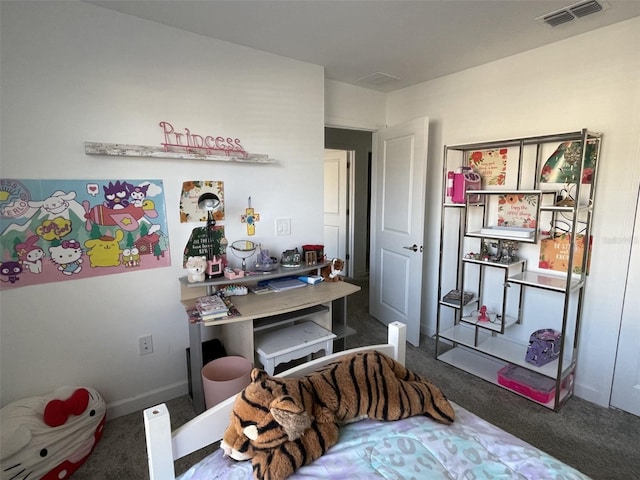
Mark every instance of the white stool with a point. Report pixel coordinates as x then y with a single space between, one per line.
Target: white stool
282 345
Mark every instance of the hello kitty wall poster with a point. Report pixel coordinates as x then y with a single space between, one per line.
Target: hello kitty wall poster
57 230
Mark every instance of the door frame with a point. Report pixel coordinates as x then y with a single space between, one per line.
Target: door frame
350 201
360 142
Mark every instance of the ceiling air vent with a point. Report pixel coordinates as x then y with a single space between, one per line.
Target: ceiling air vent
585 8
572 12
555 19
379 78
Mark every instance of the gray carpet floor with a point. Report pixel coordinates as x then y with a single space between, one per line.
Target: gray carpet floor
602 443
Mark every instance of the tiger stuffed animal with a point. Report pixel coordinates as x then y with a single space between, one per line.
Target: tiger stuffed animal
285 423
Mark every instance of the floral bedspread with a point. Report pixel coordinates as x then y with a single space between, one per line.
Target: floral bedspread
414 448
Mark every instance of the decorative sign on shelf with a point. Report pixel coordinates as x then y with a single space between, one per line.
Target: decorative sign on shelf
554 253
517 210
490 164
185 145
563 165
190 142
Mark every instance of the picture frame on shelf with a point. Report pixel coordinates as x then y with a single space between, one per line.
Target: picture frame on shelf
490 164
311 258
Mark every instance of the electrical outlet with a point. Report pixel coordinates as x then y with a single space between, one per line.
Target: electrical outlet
145 344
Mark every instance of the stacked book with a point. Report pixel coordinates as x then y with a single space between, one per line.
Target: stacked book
453 297
212 307
284 284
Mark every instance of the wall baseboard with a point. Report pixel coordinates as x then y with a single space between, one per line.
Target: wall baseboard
146 400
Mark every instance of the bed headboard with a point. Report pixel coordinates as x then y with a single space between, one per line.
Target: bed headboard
164 447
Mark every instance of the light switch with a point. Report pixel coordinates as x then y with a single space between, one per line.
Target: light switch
283 226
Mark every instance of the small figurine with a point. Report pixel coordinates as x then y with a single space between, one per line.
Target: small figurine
482 315
484 251
510 246
196 267
498 256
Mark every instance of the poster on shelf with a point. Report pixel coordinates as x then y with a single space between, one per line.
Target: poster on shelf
563 164
191 191
58 230
518 210
554 253
490 164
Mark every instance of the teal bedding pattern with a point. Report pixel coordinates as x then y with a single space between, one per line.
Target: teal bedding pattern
414 448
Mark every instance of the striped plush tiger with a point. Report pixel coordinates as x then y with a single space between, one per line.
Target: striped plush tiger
285 423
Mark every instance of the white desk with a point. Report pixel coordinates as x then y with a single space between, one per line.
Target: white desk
324 303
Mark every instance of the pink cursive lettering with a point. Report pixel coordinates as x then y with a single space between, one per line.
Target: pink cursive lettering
191 142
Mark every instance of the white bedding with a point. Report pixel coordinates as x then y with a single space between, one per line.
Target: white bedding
414 448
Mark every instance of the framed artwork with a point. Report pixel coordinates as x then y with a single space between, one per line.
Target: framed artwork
59 230
518 210
311 258
554 253
490 164
191 191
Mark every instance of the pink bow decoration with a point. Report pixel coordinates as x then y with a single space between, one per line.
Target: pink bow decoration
70 244
57 411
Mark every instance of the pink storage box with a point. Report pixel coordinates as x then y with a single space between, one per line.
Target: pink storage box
533 385
232 273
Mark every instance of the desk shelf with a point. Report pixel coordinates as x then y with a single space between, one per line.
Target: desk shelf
254 277
287 318
324 303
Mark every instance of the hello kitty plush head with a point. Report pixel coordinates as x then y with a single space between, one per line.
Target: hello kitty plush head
50 437
196 267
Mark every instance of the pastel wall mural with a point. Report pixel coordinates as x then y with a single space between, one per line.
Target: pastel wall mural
58 230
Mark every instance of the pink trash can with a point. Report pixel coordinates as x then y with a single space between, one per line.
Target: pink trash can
224 377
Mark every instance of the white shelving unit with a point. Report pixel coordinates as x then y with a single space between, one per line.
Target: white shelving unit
490 247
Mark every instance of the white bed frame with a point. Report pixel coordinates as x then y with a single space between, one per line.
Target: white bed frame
164 447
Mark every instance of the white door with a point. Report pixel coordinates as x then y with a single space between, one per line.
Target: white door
335 205
397 224
625 393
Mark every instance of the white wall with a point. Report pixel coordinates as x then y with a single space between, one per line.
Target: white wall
73 72
354 107
587 81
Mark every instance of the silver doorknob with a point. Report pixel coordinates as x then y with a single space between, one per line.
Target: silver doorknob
414 247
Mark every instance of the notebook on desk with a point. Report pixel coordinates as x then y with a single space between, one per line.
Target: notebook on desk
285 284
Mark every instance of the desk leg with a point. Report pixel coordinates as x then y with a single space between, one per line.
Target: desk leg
195 344
339 317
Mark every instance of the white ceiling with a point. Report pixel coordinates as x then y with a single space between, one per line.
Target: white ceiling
414 40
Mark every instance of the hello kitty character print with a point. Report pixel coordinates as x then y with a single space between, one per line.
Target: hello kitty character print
67 256
51 436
